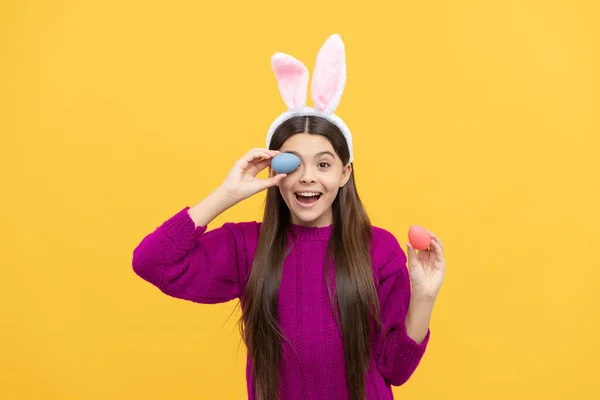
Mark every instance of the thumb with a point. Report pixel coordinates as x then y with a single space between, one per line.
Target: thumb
273 181
411 255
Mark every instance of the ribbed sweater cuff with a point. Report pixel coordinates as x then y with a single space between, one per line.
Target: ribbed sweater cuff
408 349
182 230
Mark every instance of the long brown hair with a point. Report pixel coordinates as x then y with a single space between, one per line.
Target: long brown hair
355 300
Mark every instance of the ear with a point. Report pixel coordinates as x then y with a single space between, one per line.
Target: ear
292 78
329 76
347 171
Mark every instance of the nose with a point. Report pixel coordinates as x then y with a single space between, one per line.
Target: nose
307 176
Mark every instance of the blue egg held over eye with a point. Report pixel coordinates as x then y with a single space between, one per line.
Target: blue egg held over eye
284 163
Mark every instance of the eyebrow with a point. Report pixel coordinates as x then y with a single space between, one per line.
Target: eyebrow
319 154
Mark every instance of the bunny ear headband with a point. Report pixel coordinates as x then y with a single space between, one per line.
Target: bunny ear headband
329 79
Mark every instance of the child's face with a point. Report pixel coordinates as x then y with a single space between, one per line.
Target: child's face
310 190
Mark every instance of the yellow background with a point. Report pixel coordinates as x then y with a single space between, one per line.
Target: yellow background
477 119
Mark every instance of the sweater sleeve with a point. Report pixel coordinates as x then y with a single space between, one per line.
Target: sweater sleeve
187 262
398 354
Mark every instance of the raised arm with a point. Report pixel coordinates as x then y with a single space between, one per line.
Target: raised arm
185 260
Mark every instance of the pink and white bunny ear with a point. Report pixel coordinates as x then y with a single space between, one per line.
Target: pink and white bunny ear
292 78
329 76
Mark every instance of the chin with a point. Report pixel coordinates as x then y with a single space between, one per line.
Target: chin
303 221
309 218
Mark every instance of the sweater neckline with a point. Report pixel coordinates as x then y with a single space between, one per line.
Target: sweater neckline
311 232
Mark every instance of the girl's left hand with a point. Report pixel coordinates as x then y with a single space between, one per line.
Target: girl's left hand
427 268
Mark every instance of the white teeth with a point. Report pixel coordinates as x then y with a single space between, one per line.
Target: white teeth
308 194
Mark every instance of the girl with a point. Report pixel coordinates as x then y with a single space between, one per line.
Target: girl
329 308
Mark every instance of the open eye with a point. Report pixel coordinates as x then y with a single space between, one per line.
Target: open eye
323 164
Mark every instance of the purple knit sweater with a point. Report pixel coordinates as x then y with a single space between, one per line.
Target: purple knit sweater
209 267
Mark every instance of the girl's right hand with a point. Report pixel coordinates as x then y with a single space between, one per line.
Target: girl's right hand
242 182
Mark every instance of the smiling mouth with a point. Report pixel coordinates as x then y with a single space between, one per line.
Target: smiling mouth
307 198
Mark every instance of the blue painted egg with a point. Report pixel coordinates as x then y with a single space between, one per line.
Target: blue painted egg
284 163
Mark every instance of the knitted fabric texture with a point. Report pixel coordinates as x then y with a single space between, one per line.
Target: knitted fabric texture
212 266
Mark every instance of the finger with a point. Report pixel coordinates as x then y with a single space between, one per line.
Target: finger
272 181
436 239
253 156
268 153
411 255
437 251
261 150
258 155
262 164
255 153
